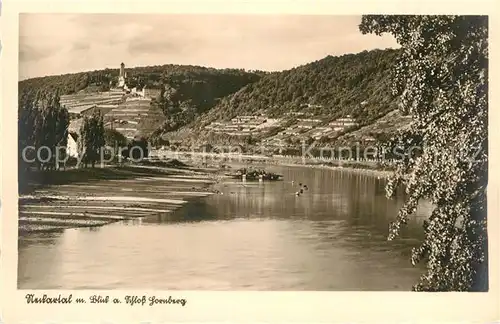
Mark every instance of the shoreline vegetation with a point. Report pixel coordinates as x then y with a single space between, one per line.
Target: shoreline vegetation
375 168
51 201
349 166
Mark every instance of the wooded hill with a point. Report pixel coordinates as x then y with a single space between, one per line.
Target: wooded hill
192 97
186 91
339 84
226 80
353 84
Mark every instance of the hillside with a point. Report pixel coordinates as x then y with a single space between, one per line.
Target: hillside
185 97
174 92
326 100
380 129
307 97
150 76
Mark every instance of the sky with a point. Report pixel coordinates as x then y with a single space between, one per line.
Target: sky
52 44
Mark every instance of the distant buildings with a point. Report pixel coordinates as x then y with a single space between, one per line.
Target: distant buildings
310 120
301 126
310 128
296 113
244 125
309 105
306 124
320 132
123 88
342 124
294 131
123 109
369 139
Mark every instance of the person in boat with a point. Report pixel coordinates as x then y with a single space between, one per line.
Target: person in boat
301 190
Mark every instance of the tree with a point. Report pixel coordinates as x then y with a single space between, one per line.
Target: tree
441 78
26 125
42 123
91 139
156 138
61 127
115 142
114 138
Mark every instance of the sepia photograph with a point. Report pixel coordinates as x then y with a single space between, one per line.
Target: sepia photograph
252 152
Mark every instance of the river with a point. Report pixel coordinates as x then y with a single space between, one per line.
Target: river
254 236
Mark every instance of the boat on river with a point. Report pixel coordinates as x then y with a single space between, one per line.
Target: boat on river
255 174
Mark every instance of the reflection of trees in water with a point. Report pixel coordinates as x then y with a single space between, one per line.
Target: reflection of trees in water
42 238
356 198
249 200
41 249
196 210
331 195
370 208
278 199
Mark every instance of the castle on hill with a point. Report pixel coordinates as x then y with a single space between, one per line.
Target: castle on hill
122 77
122 84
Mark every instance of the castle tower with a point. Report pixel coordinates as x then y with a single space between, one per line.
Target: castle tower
121 78
122 69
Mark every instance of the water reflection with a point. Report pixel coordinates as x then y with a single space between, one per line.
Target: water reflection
358 199
39 257
195 211
257 236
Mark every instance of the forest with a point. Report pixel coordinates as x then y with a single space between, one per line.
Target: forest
186 96
186 91
355 84
335 86
224 80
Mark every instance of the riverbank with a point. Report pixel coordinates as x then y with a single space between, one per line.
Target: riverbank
338 166
57 200
216 161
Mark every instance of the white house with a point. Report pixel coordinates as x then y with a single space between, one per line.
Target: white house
72 145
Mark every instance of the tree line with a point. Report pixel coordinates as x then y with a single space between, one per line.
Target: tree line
154 77
335 86
42 122
186 91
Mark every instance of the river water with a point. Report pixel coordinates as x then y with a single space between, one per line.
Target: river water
255 236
